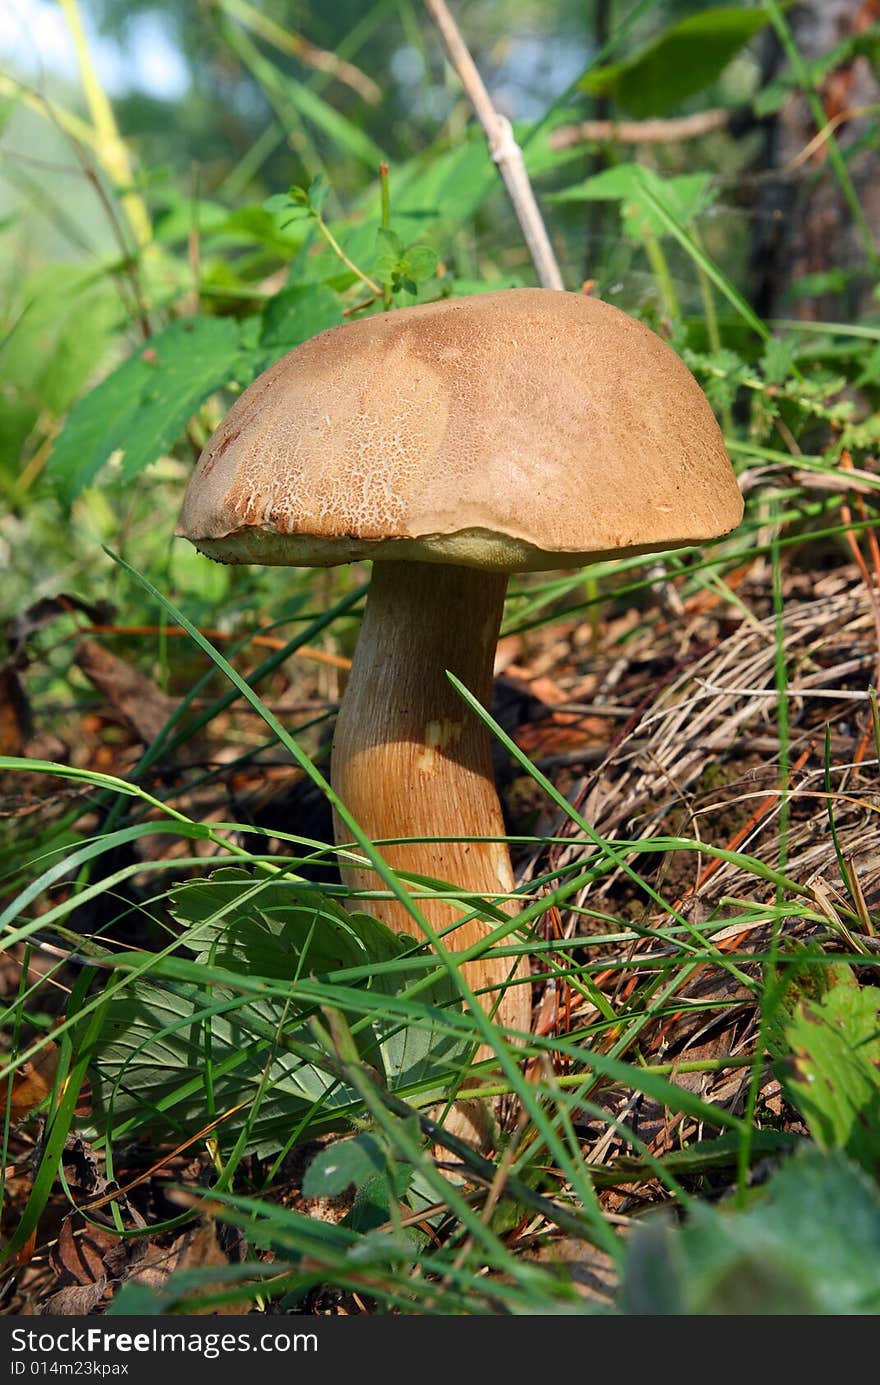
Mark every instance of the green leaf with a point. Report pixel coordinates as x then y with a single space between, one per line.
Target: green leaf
142 408
17 419
683 60
420 263
255 226
683 197
180 216
834 1077
809 1243
816 285
344 1164
278 928
170 1052
778 359
388 253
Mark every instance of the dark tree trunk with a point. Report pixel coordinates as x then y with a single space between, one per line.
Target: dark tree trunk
803 225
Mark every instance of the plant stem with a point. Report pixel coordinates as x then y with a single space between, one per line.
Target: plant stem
349 264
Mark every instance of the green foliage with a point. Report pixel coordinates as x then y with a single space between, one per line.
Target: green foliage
168 1053
808 1243
271 1011
403 267
683 60
684 197
831 1067
141 409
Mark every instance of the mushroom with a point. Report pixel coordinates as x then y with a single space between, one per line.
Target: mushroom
452 444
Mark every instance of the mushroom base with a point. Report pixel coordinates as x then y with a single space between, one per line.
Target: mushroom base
410 759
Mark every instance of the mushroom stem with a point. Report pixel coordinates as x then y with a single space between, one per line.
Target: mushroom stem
410 759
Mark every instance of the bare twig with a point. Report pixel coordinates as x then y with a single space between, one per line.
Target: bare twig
503 147
639 131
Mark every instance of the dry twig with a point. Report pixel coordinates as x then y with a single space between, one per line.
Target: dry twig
503 147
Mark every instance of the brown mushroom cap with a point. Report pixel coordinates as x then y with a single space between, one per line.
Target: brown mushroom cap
524 429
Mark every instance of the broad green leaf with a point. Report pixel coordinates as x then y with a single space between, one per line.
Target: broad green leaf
808 1243
170 1052
280 927
170 1055
142 408
684 197
683 60
257 226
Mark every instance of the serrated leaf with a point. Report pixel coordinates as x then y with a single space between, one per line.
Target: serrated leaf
834 1077
143 406
685 59
809 1243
